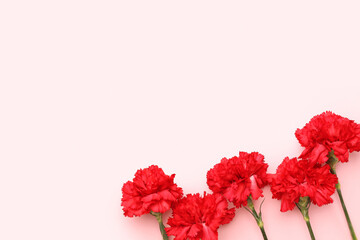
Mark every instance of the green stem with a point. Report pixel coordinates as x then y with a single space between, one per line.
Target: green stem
158 217
332 162
162 230
307 220
263 233
257 217
303 205
353 235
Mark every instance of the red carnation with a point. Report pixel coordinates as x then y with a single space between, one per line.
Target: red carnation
195 217
295 179
238 177
326 132
150 190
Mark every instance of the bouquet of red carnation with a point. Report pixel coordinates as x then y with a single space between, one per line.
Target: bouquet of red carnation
310 179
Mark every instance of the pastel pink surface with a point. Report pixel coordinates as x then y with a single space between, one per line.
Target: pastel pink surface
91 91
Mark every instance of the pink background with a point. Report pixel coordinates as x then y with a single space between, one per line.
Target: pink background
91 91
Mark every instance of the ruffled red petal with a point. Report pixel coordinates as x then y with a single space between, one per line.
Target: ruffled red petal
238 177
295 179
326 132
150 190
195 217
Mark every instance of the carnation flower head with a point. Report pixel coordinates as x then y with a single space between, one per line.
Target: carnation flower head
195 217
295 179
150 190
326 132
238 177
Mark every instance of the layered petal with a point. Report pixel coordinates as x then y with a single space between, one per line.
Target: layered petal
326 132
319 183
195 217
239 177
150 190
295 179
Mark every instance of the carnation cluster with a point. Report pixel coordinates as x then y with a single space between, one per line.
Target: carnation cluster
238 181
